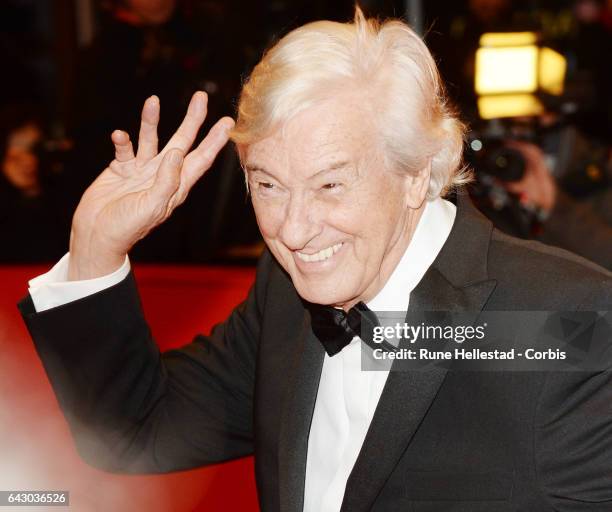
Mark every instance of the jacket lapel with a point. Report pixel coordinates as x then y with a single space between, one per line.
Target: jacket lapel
297 416
406 396
456 282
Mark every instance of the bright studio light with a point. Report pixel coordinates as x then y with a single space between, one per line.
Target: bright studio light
503 39
552 67
506 70
510 70
509 105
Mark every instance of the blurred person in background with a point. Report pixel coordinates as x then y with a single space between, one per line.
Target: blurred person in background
33 217
552 186
583 227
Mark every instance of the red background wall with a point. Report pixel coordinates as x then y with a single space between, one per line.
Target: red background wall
36 451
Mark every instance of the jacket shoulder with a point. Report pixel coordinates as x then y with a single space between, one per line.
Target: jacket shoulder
557 278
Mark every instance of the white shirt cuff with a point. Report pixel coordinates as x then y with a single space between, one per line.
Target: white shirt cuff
53 288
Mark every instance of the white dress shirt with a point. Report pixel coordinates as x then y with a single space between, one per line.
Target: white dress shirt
347 396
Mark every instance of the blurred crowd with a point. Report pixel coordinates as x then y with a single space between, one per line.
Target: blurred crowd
73 75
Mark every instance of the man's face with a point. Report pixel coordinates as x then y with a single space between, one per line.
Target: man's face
20 164
335 219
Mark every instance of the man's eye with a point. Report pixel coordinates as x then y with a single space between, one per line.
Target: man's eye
265 185
331 186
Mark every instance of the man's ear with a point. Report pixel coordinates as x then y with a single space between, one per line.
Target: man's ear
417 185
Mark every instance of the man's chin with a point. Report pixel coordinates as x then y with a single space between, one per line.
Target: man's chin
324 296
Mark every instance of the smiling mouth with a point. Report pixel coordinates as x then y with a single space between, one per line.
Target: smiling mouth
322 255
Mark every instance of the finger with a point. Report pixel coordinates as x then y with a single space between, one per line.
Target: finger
147 138
201 158
123 146
188 130
167 179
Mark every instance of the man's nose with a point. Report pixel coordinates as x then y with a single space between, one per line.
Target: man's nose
300 225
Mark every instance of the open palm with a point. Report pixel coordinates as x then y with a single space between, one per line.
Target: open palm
137 192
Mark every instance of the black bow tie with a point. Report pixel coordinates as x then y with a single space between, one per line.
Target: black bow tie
335 328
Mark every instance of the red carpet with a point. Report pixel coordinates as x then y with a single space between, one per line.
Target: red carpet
36 450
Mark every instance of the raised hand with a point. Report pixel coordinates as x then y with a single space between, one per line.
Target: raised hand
137 192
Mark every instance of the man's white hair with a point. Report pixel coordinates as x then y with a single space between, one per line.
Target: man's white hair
389 63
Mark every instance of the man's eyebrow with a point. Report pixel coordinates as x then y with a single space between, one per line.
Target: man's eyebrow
332 167
257 168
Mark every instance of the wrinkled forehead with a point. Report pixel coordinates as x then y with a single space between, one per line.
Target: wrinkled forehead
333 130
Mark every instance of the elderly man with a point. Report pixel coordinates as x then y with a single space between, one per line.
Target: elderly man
348 147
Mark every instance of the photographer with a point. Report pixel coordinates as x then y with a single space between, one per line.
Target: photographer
574 225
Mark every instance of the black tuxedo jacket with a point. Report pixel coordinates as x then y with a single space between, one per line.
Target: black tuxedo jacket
439 440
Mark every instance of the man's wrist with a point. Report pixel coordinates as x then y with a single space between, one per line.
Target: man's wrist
87 266
90 259
90 263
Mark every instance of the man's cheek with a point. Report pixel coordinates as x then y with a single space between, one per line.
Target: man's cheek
348 219
267 220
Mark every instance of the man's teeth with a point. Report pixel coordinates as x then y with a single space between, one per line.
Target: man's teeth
321 255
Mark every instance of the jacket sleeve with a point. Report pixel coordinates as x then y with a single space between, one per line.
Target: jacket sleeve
133 409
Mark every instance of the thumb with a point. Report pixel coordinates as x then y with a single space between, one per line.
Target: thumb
168 177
